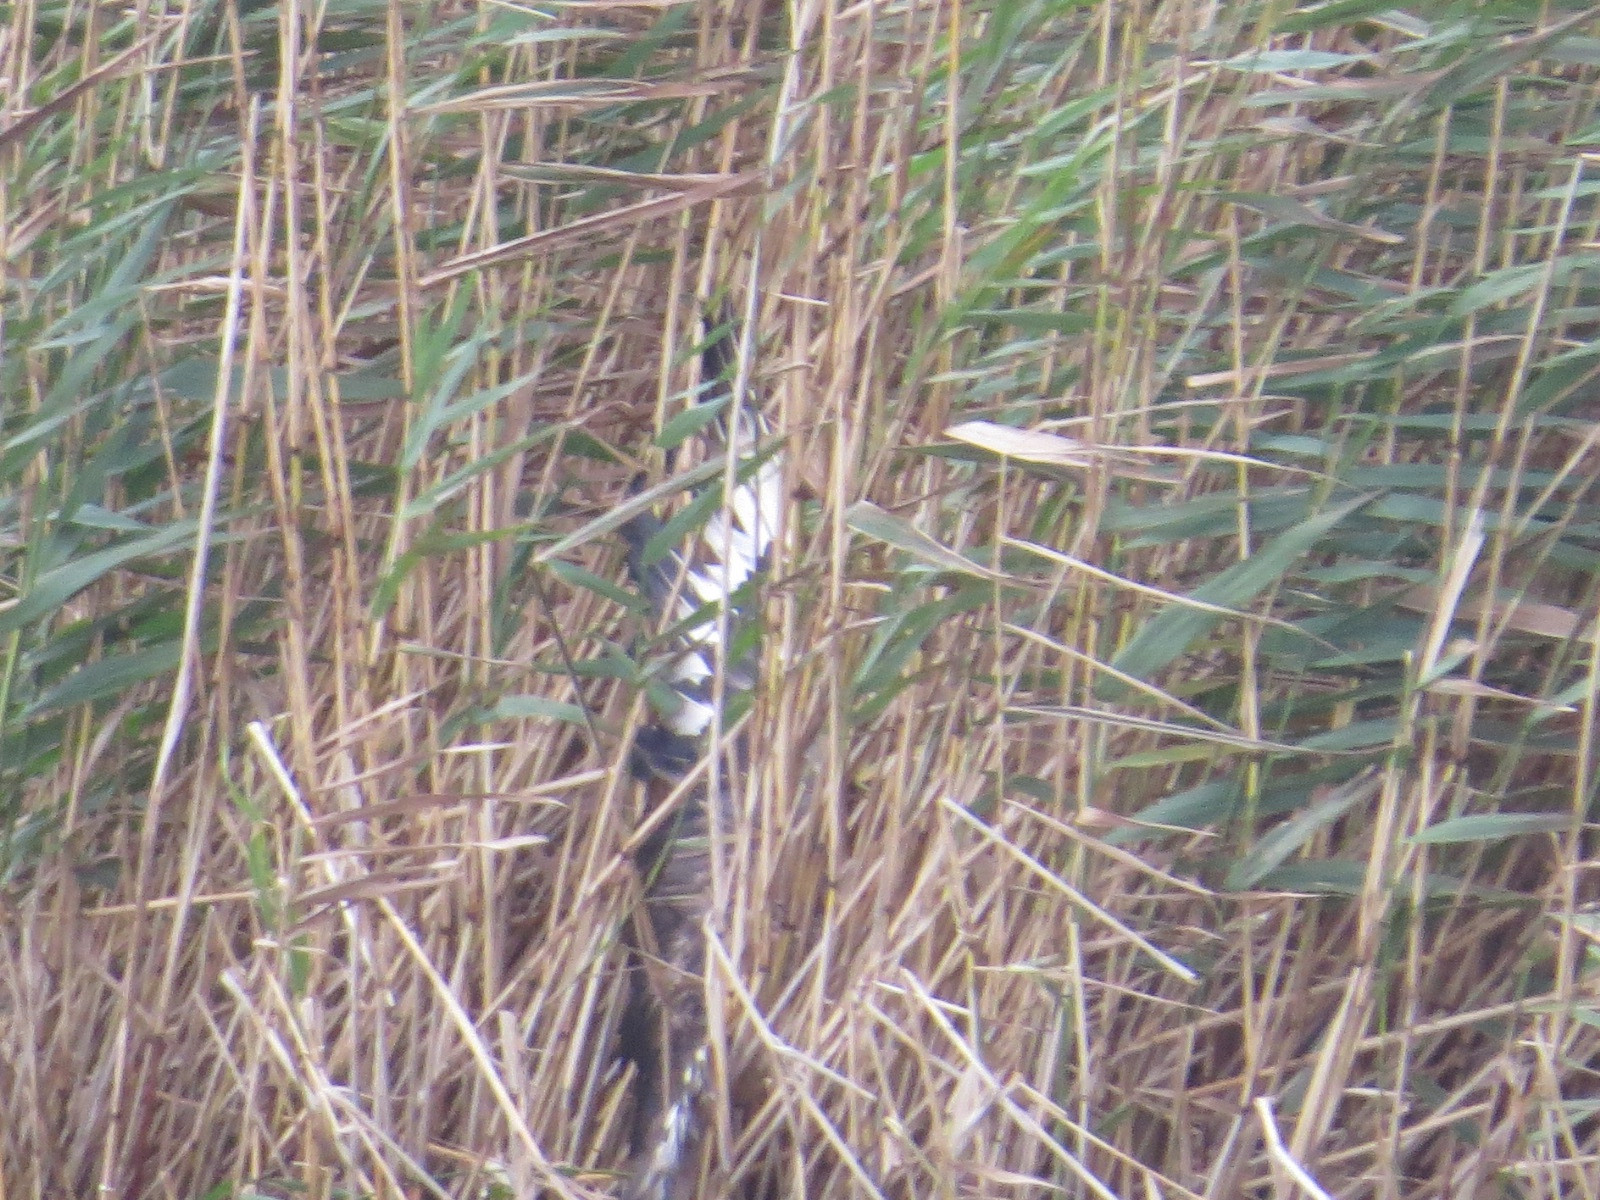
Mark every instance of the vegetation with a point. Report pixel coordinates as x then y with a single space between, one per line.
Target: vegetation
1177 737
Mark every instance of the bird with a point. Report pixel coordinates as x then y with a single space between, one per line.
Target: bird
703 590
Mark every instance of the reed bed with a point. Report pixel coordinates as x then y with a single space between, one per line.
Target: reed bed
1175 751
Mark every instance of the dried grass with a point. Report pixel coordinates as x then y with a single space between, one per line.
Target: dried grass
330 900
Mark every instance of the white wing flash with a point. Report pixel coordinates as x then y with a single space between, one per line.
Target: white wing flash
733 546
